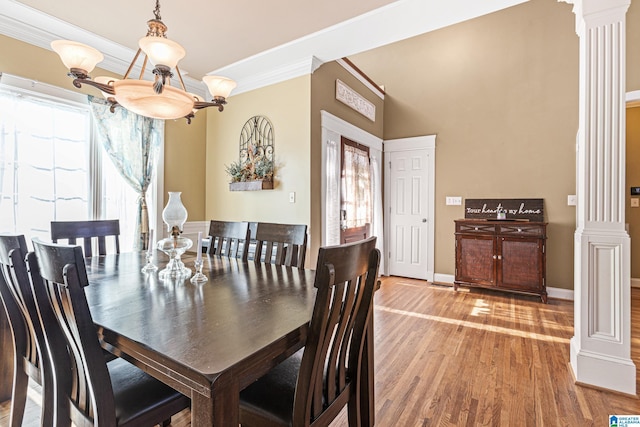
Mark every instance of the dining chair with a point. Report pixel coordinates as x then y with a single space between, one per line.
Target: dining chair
281 244
87 231
30 354
96 392
229 239
311 387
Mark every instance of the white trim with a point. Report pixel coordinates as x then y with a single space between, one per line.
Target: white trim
427 142
191 228
557 293
346 129
43 90
444 278
373 88
633 99
635 283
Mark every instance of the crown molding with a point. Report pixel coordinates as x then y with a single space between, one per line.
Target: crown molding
396 21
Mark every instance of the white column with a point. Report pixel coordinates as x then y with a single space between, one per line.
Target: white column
601 345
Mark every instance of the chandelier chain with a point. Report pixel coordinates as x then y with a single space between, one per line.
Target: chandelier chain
156 11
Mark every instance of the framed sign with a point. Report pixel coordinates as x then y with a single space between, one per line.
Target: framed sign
523 209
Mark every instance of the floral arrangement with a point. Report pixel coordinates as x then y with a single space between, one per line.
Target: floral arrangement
257 167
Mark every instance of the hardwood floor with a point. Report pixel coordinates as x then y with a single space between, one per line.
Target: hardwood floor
472 358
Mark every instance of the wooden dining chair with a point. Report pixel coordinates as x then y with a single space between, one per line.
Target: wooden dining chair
88 231
229 239
281 244
311 387
96 393
30 354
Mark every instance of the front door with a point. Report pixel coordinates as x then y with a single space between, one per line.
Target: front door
355 192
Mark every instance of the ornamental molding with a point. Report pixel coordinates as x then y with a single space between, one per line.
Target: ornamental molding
354 100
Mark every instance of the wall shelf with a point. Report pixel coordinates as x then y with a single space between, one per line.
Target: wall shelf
251 186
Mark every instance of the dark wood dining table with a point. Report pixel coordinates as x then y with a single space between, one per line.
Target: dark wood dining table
208 341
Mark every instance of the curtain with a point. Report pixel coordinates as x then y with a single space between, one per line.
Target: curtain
132 143
356 187
332 194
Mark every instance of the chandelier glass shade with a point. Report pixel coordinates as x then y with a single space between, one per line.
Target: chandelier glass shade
156 98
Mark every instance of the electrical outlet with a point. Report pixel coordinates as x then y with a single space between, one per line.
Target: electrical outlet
454 200
292 197
635 202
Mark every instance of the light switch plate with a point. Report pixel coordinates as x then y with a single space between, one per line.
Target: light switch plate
635 202
572 200
454 200
292 197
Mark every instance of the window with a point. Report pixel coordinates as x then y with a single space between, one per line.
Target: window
356 185
52 169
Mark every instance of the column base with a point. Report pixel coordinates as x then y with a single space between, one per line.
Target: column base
603 371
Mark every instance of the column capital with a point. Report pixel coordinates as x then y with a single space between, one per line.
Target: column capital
600 11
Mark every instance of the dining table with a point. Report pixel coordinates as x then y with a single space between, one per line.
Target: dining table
207 340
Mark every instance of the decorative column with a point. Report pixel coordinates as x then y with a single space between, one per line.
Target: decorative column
601 345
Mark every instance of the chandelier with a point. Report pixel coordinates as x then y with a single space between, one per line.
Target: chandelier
156 99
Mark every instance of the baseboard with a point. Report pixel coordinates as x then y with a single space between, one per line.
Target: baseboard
444 278
558 293
190 231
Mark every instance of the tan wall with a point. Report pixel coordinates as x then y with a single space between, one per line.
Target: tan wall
185 162
632 215
286 105
323 97
501 94
183 146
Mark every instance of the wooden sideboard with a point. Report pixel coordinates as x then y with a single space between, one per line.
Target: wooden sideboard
501 254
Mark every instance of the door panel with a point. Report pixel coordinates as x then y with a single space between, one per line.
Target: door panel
408 216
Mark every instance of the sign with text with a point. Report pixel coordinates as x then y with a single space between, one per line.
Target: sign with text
529 209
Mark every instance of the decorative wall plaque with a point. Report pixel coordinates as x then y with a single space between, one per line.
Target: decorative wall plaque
354 100
524 209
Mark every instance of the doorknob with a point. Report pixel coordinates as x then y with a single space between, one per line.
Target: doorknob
424 219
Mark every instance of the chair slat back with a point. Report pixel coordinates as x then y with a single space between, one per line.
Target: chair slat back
60 271
87 231
282 244
346 276
19 307
29 348
229 239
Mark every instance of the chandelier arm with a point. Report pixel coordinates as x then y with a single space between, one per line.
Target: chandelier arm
144 67
199 105
135 58
101 86
180 78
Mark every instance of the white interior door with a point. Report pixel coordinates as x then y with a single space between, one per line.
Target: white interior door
410 207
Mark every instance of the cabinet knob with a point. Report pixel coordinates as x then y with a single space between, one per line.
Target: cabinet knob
494 257
424 219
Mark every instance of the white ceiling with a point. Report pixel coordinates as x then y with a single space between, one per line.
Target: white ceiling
253 42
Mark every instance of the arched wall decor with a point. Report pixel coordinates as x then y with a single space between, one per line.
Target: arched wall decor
255 166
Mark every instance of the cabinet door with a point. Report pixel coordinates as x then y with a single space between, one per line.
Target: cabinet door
520 263
475 259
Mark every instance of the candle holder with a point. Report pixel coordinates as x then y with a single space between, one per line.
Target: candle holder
198 278
149 266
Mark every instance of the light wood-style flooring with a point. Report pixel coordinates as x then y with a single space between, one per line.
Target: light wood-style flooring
472 358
